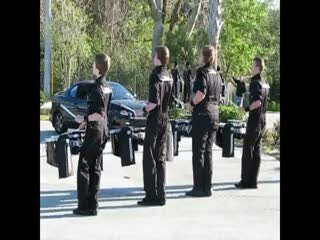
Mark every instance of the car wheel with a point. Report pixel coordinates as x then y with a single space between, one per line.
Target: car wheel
58 123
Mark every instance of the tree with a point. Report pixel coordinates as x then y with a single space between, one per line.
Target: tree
215 24
194 16
157 15
244 35
71 53
175 15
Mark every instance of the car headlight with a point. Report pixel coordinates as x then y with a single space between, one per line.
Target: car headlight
124 113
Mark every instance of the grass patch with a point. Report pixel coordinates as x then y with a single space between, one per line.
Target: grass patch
44 117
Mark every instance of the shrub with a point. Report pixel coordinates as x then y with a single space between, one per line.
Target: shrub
271 138
230 112
178 113
226 113
43 97
273 106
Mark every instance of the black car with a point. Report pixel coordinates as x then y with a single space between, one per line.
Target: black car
122 110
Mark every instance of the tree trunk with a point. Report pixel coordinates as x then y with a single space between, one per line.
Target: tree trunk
175 15
194 16
156 8
215 24
164 10
157 34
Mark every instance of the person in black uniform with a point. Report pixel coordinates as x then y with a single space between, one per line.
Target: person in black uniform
223 86
187 78
176 79
259 92
154 152
240 90
205 120
90 159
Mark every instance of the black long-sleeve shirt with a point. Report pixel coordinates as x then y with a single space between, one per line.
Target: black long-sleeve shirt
99 97
160 90
241 87
208 81
259 90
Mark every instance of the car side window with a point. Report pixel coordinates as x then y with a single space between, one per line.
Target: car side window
73 91
82 92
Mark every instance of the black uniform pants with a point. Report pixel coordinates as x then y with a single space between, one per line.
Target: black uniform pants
89 167
88 181
154 157
203 136
176 89
251 154
186 95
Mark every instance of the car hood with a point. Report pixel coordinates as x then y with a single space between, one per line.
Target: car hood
132 104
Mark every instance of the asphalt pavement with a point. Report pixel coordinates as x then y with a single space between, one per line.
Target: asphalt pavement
230 214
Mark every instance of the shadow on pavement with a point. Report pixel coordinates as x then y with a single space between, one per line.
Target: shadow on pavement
66 200
46 134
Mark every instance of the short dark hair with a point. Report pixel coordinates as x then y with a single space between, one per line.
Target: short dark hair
208 53
218 68
102 61
163 54
187 64
175 63
259 63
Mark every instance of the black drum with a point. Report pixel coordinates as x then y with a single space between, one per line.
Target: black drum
124 145
228 140
63 156
51 151
239 128
169 145
60 150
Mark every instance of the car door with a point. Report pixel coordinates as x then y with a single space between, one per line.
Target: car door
82 98
72 101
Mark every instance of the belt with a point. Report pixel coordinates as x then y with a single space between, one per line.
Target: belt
202 114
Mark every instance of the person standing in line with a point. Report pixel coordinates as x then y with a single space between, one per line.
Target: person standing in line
187 78
154 149
251 153
205 120
90 159
176 79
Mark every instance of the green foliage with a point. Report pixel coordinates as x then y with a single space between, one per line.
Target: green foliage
182 48
273 106
82 28
43 97
71 52
271 138
244 35
230 113
178 113
44 117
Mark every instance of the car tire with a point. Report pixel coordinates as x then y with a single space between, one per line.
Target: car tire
58 123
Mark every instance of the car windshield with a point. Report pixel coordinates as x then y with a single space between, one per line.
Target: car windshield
120 92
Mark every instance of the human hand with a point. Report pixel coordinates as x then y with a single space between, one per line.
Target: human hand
94 117
79 119
255 104
82 125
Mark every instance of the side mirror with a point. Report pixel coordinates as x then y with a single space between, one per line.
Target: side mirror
134 94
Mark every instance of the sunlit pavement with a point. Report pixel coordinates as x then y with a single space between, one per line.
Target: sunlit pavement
230 214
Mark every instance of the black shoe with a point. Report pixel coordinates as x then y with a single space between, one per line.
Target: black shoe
152 202
241 185
93 212
146 201
196 193
162 201
208 193
78 211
